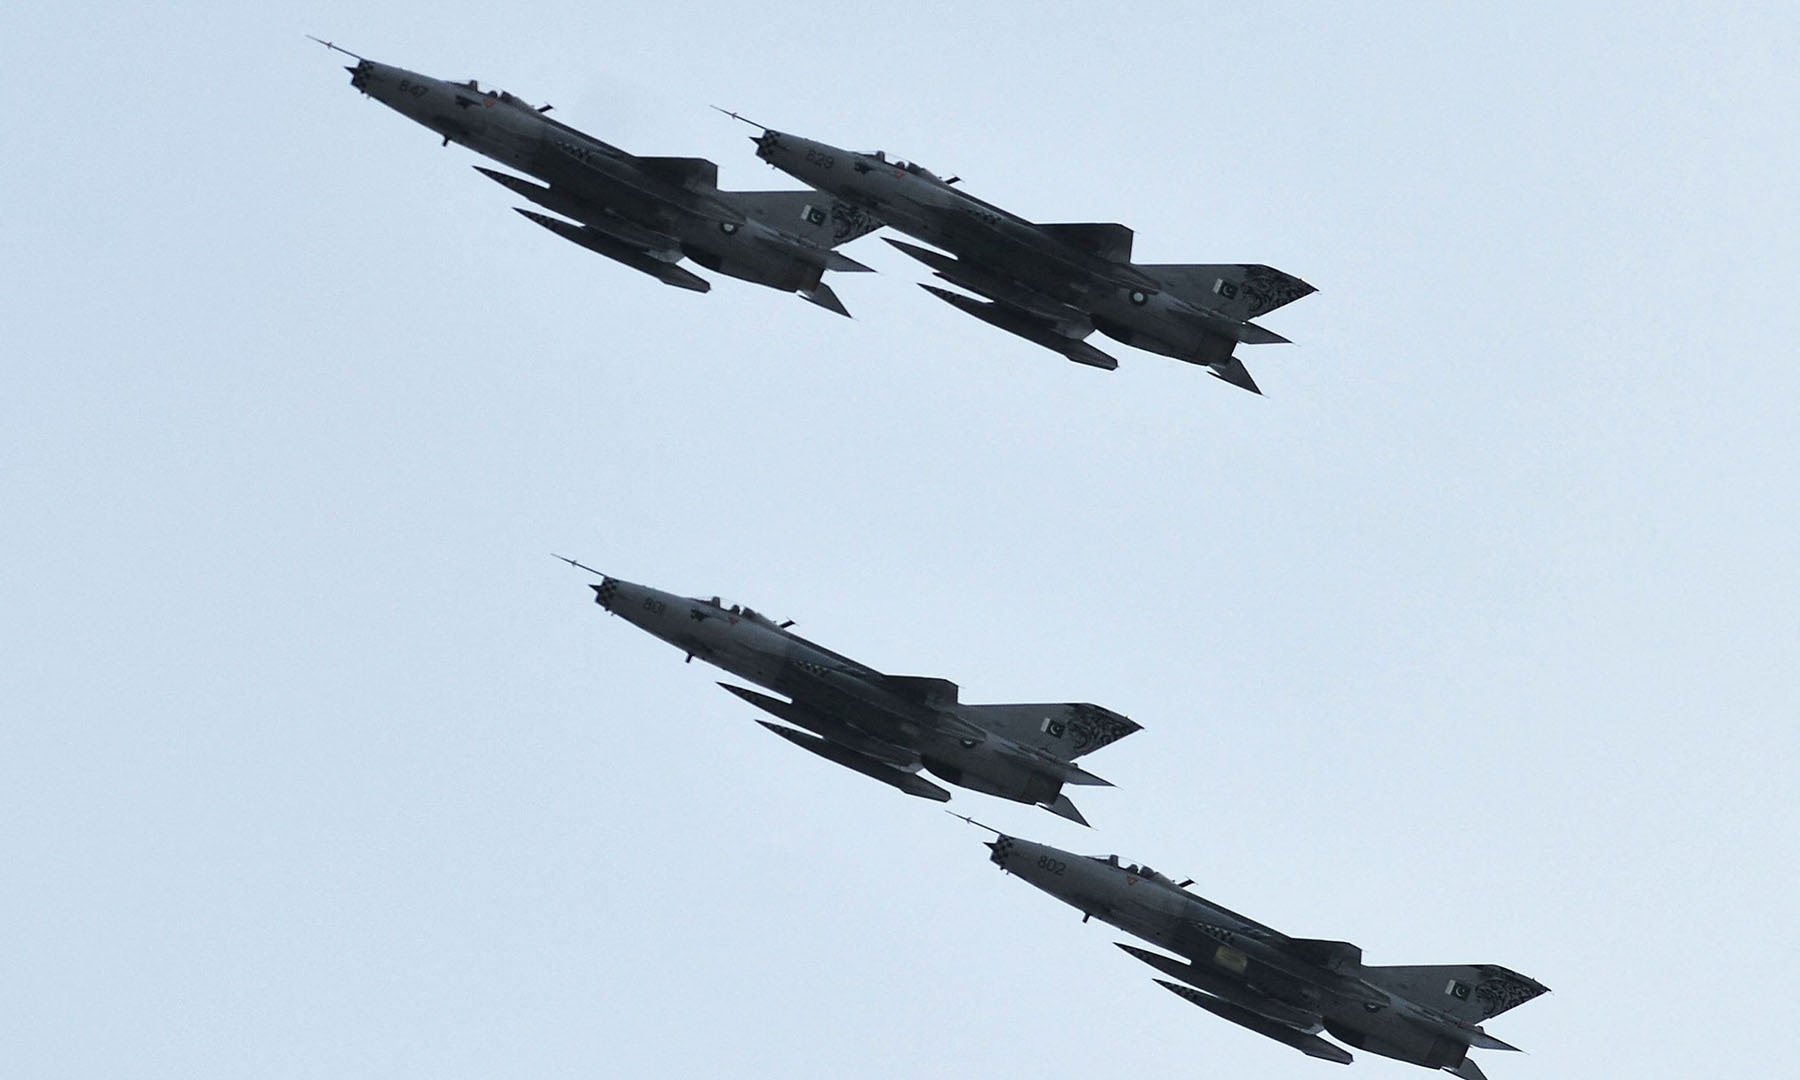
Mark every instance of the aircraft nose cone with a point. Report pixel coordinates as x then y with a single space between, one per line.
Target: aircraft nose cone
1001 848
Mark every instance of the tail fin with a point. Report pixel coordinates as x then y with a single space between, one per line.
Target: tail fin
1241 290
810 215
1469 992
1065 730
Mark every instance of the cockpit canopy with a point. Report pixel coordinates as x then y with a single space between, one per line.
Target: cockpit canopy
742 612
911 167
500 95
1135 869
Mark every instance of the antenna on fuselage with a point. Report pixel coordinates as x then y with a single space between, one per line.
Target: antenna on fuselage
741 119
972 821
576 565
335 48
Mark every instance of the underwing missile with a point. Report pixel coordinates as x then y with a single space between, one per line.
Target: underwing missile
588 237
911 783
558 202
819 724
1216 985
1036 333
1310 1045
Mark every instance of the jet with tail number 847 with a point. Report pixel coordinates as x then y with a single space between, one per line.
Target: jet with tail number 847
1287 989
1052 284
887 727
646 212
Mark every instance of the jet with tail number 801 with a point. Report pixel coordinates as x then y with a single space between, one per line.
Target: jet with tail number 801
887 727
646 212
1052 284
1288 989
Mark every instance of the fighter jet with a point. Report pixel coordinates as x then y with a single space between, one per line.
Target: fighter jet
1052 284
646 212
888 727
1288 989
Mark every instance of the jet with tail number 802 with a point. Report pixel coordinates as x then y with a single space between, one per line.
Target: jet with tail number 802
1288 989
888 727
1052 284
646 212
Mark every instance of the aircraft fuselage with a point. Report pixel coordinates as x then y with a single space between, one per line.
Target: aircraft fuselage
1120 299
1246 965
833 695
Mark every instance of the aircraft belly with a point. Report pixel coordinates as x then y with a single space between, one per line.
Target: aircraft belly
931 225
804 687
759 668
1155 927
591 185
505 140
1142 327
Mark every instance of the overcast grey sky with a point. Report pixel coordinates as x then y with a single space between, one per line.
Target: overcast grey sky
1473 640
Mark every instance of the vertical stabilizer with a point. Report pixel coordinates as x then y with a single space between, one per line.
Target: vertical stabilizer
1470 992
1240 290
811 216
1065 730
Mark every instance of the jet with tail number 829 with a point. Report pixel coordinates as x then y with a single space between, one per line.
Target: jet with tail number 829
1288 989
646 212
888 727
1052 284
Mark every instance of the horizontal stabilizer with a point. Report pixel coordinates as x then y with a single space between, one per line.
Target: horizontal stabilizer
1310 1045
1063 808
1234 372
694 174
822 295
1239 290
1251 334
844 264
1070 773
911 783
1481 1040
1468 1070
1108 240
1016 322
663 270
